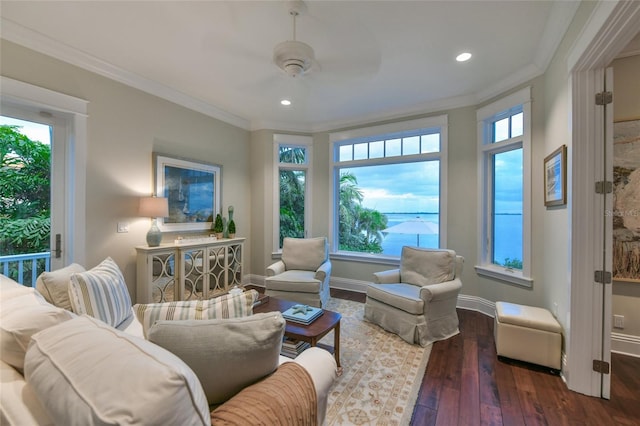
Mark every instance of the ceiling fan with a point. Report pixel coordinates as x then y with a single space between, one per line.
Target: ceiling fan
292 56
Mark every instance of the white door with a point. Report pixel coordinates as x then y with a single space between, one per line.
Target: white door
51 130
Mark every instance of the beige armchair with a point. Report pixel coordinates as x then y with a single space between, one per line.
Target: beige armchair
302 274
418 300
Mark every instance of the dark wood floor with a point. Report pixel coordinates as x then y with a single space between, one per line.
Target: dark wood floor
465 384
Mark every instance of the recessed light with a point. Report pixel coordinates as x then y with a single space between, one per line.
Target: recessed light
285 102
463 57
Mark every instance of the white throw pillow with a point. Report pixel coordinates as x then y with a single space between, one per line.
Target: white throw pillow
101 293
54 285
226 306
87 373
22 316
227 355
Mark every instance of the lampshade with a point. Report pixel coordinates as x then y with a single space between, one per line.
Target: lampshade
154 207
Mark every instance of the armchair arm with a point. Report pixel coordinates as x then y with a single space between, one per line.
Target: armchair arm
276 268
387 277
323 272
441 291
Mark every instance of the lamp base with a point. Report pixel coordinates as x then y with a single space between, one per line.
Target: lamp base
154 236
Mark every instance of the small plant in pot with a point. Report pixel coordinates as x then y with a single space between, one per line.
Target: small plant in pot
218 227
232 229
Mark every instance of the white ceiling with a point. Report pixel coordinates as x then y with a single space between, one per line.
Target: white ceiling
378 59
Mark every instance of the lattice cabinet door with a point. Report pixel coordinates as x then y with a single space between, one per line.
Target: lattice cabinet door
156 277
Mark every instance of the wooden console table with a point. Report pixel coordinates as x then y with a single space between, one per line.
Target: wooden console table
177 271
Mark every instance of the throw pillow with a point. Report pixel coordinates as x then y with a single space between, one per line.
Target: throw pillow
54 285
101 293
420 266
20 318
243 350
226 306
85 372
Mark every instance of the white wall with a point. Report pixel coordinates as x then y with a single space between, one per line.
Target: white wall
124 127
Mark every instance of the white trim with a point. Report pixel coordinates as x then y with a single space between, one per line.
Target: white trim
478 304
610 27
625 344
502 274
74 110
390 128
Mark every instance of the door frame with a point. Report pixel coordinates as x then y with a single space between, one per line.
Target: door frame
74 113
610 27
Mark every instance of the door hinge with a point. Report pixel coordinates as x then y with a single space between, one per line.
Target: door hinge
603 277
604 187
604 98
600 366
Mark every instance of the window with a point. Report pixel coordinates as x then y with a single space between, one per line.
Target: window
388 188
293 159
505 187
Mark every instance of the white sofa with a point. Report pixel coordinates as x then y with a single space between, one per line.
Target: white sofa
28 322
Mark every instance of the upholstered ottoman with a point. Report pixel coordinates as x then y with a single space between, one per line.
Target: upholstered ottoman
527 333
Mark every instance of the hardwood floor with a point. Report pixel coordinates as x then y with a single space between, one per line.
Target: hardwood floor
465 384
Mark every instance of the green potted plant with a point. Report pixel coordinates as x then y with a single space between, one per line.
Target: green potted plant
218 227
232 229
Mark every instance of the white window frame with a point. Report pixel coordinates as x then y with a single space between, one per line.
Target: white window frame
485 116
297 141
386 131
73 112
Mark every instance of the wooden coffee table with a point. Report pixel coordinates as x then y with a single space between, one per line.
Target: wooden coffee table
311 333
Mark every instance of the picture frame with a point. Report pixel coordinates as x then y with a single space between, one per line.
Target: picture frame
192 189
555 178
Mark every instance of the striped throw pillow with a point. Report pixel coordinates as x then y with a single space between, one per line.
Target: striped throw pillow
226 306
101 293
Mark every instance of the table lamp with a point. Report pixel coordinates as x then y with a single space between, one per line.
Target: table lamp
154 207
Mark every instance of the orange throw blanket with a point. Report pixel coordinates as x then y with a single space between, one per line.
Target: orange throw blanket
287 397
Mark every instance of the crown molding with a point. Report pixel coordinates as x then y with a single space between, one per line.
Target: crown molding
38 42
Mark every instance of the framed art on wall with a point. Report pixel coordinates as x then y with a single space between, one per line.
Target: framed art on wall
555 178
192 189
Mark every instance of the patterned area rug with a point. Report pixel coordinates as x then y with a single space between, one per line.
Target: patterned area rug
381 373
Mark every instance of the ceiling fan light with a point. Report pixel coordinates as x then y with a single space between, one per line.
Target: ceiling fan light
293 57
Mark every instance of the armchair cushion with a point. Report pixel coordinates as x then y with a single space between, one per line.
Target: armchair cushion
245 349
298 281
426 266
402 296
306 254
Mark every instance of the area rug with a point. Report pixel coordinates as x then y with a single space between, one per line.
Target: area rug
381 373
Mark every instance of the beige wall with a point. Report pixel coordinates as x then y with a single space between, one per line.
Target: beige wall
124 127
626 106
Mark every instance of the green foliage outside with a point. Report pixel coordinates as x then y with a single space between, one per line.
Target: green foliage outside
360 228
512 263
25 187
292 189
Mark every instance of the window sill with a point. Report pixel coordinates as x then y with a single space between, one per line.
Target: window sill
511 276
378 259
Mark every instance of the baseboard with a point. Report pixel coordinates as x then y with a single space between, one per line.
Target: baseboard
625 344
348 284
478 304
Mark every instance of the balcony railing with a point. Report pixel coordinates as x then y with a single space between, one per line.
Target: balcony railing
25 268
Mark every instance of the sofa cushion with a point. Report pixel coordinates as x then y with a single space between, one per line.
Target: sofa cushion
10 288
54 285
226 306
101 293
306 254
22 315
244 349
420 266
85 372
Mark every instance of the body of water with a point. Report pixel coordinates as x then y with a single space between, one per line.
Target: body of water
508 235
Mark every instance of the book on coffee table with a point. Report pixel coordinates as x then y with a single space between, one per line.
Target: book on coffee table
302 314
